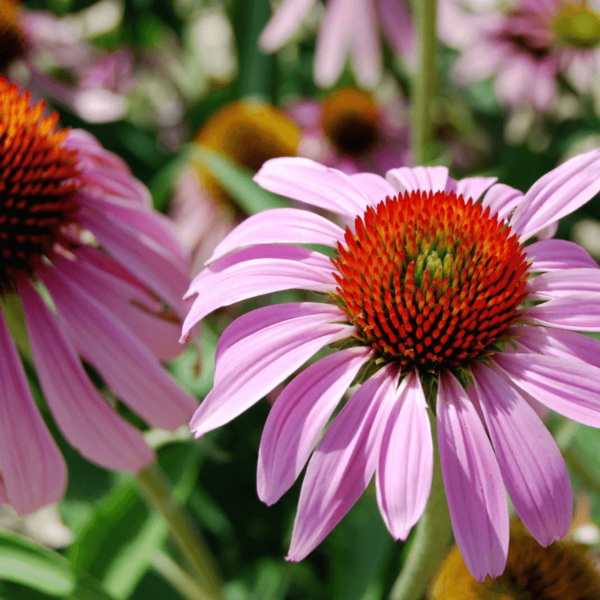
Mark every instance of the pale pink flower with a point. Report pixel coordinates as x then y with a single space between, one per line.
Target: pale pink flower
432 298
88 272
524 45
350 30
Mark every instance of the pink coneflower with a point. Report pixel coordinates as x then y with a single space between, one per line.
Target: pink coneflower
92 268
524 45
350 29
432 299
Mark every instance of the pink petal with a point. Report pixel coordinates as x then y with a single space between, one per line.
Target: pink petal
125 364
502 200
567 387
397 25
111 186
298 417
552 255
283 24
281 339
307 181
280 226
85 419
424 179
405 468
91 153
581 312
470 187
365 47
256 271
558 194
476 496
375 187
531 464
34 472
343 463
558 284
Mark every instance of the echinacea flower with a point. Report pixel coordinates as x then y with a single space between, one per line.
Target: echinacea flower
524 45
88 272
432 299
350 29
563 571
249 133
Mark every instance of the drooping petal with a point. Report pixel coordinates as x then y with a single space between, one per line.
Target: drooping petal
424 179
476 497
470 187
558 194
567 387
553 255
254 272
405 468
581 312
531 464
298 417
560 284
397 26
86 420
34 472
365 46
375 187
502 200
280 226
283 24
281 339
126 365
343 463
307 181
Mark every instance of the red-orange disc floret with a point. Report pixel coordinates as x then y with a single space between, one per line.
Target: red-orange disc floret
37 183
430 280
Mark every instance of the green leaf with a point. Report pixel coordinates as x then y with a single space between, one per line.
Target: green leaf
25 562
236 181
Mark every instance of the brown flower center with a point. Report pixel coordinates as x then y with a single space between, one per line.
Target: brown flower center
12 42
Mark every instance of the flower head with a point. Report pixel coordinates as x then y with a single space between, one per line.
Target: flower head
88 270
432 299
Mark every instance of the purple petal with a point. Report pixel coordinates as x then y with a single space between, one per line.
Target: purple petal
581 312
307 181
283 24
34 472
470 187
281 339
365 47
424 179
298 417
405 468
343 463
375 187
531 464
125 364
502 200
567 387
558 194
553 255
84 417
559 284
476 496
280 226
397 26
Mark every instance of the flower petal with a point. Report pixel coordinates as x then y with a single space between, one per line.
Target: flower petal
502 200
560 284
470 187
531 464
581 312
413 179
476 497
280 226
298 417
283 24
553 255
343 463
34 472
365 47
405 468
567 387
281 339
307 181
558 193
86 420
375 187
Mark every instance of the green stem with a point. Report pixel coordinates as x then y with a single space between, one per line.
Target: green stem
184 534
424 88
431 539
188 587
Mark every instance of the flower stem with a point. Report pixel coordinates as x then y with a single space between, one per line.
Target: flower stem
430 542
188 587
424 87
184 534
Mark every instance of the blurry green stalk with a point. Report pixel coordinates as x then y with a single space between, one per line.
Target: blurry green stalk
184 534
431 538
424 83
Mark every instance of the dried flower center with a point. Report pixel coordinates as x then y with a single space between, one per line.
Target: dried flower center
351 121
578 25
12 42
37 183
430 280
